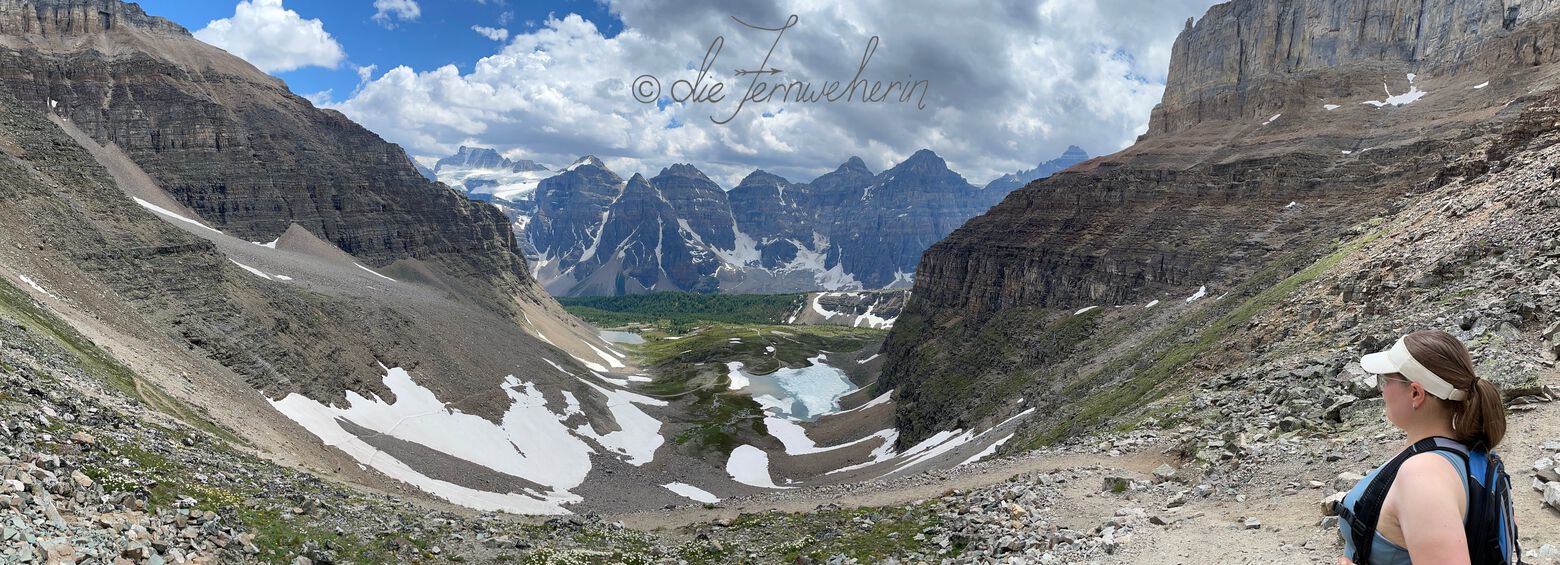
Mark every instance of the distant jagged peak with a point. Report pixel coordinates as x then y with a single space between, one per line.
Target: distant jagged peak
854 163
474 157
1072 156
921 161
683 170
639 182
588 161
762 177
524 165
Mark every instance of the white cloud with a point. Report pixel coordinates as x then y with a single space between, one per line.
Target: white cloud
272 38
1008 86
493 33
320 99
387 11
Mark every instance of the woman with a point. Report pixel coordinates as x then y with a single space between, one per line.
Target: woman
1428 382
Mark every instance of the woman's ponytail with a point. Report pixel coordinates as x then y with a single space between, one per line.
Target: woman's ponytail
1481 418
1478 420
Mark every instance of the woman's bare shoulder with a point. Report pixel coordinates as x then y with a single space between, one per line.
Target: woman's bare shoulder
1428 471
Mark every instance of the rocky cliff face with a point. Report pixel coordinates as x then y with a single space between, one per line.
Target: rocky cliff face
233 144
778 213
698 202
902 212
1251 58
1274 137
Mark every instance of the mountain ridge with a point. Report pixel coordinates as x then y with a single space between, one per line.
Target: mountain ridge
766 234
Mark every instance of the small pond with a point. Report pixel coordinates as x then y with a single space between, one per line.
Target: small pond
800 394
615 336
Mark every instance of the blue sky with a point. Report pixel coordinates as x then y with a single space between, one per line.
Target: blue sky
440 35
1010 84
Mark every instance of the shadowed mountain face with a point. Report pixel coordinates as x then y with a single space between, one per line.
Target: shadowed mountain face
1283 125
847 229
232 144
288 274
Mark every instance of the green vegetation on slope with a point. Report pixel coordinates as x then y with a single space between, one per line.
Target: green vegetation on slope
1151 371
19 305
679 312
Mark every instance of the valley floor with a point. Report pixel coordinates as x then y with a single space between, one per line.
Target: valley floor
94 477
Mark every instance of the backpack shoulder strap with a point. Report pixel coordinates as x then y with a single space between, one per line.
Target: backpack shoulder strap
1367 510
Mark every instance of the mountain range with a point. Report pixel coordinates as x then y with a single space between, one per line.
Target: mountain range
238 327
591 232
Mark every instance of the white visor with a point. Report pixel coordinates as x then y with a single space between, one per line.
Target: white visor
1399 360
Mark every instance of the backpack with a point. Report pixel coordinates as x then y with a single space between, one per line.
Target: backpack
1490 526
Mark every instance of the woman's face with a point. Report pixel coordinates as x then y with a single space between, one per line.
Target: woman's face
1398 392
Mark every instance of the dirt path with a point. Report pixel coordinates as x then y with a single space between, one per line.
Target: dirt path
862 494
1212 529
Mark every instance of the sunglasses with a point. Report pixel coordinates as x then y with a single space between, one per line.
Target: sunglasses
1382 379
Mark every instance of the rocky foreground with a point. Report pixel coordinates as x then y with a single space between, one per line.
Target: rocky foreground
91 476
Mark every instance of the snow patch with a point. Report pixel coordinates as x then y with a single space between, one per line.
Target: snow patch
639 434
555 365
271 245
1150 304
883 452
869 359
739 380
1270 120
607 379
1201 292
692 492
259 273
530 441
881 399
1084 309
795 439
1481 85
571 405
171 214
611 361
1413 94
750 466
744 252
1330 107
597 367
871 321
945 441
819 309
31 283
376 273
990 449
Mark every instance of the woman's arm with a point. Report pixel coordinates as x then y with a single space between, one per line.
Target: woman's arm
1426 501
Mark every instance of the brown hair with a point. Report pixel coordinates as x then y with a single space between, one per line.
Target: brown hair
1480 418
